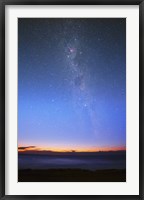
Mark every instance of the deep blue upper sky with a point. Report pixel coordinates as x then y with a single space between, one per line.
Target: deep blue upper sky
72 82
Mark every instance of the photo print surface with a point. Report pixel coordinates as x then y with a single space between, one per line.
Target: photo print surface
71 99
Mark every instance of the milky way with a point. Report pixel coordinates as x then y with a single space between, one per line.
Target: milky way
79 79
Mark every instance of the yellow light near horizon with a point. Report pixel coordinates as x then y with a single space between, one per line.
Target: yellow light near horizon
80 149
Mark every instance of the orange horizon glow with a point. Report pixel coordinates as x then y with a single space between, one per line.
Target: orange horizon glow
61 149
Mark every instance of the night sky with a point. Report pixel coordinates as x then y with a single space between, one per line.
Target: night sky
72 83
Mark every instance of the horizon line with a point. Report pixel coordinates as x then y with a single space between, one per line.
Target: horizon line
68 150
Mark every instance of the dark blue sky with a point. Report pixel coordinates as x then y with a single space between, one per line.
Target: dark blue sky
72 83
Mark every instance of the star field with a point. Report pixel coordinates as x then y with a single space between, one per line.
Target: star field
72 82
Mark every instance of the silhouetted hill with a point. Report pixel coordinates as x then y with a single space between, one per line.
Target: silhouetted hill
71 175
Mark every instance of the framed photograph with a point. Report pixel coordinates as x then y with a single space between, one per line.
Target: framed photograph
71 99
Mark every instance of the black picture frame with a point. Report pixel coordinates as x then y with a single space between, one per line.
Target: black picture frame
3 3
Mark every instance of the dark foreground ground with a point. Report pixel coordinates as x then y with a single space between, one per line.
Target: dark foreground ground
71 175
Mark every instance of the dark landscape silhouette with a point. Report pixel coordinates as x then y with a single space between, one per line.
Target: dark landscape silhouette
48 166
